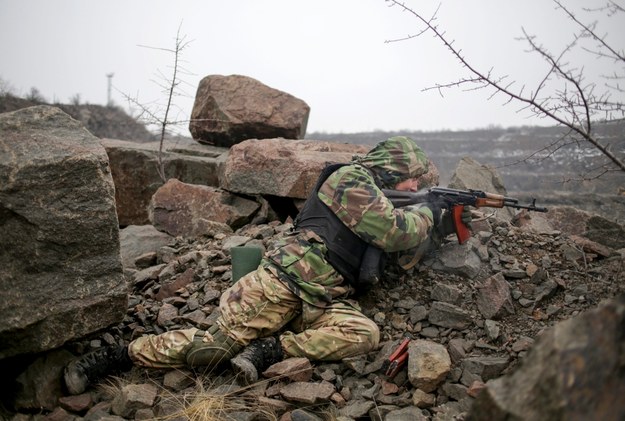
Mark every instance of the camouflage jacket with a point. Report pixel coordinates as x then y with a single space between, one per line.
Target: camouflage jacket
353 193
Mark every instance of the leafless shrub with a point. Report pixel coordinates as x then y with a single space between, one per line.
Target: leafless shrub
162 115
35 96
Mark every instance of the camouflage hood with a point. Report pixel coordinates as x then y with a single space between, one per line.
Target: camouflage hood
395 159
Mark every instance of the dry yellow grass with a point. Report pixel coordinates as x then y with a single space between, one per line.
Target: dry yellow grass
207 401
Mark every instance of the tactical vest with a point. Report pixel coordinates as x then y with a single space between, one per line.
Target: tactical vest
345 249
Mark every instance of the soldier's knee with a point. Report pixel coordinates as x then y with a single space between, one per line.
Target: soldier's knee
376 336
368 334
373 335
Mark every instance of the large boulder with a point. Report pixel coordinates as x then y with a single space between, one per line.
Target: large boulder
103 121
281 167
231 109
190 211
60 267
575 221
289 168
135 171
605 232
574 371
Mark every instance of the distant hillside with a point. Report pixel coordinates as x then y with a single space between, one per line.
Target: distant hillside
552 181
103 122
508 150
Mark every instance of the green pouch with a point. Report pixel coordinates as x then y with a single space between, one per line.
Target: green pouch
245 259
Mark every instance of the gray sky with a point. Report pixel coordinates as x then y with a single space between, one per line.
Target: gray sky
331 54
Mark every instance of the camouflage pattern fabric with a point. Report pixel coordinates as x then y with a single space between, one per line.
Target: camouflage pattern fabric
340 331
254 307
394 160
166 350
296 287
353 195
260 305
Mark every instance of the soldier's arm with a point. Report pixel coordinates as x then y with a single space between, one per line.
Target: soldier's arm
354 198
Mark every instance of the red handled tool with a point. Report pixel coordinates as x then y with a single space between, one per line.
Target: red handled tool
397 359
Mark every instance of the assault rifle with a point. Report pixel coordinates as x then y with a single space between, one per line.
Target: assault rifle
455 201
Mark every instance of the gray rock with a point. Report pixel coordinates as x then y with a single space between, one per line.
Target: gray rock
446 293
135 166
39 385
494 300
357 408
458 259
485 367
191 210
137 240
60 269
574 371
428 364
449 315
308 392
411 413
281 167
470 174
133 397
177 380
295 369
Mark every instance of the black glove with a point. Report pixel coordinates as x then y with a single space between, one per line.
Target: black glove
466 216
371 268
437 209
447 224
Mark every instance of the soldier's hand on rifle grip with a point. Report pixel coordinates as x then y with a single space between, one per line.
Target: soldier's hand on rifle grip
466 216
436 209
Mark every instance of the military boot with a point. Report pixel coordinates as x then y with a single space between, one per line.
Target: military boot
256 358
211 349
94 366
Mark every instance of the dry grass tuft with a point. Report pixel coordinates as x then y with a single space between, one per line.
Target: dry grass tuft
209 399
209 403
111 387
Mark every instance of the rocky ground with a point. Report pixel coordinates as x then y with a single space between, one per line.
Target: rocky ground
481 306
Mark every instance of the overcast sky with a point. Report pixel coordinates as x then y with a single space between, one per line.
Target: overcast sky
332 54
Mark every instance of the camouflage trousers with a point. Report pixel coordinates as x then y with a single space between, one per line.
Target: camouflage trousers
260 305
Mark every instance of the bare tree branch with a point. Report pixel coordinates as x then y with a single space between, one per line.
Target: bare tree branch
589 29
573 105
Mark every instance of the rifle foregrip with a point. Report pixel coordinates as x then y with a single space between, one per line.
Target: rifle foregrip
489 202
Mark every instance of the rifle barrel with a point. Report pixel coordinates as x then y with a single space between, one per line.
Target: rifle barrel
532 207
